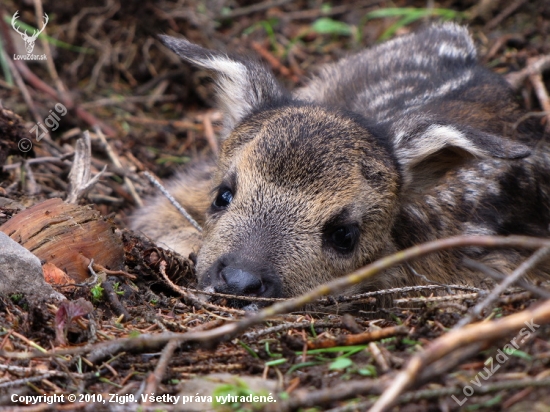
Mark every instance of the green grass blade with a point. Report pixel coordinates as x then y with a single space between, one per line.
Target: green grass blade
5 66
334 349
326 25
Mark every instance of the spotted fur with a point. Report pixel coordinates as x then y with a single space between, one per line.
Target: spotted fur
406 142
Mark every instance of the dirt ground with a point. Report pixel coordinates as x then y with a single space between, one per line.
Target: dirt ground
106 72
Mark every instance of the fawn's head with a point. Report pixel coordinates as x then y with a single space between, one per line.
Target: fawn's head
303 193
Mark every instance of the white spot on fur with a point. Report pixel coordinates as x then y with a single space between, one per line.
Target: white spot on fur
447 197
416 212
476 229
399 137
450 50
384 98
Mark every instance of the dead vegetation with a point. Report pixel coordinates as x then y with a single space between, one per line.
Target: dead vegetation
106 73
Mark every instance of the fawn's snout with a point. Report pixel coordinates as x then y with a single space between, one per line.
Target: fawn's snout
234 275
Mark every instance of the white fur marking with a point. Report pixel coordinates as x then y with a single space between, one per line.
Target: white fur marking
450 50
232 83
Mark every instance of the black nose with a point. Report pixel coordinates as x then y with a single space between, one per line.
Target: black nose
235 274
241 282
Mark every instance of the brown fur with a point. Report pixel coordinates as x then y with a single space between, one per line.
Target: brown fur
392 162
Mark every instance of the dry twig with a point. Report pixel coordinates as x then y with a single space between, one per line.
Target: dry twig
542 95
116 161
362 296
538 65
80 177
209 132
191 297
379 357
520 271
504 14
358 339
307 399
432 299
287 326
174 202
154 378
486 270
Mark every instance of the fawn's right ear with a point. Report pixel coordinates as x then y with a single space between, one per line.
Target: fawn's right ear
242 85
426 152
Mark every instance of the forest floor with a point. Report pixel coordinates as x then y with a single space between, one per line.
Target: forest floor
106 72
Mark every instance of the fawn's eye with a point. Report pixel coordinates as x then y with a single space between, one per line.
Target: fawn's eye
343 238
223 199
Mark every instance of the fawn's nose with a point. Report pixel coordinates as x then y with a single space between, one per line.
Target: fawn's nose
233 274
238 281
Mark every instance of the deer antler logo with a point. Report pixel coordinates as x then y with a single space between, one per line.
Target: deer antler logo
29 40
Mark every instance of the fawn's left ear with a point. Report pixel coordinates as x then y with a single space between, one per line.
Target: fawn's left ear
428 151
242 85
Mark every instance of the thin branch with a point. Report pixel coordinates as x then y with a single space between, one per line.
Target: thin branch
302 399
155 378
37 160
537 66
351 298
504 14
191 297
379 357
376 267
118 100
287 326
116 161
521 270
209 132
359 338
492 273
528 115
80 176
39 378
542 96
432 299
174 202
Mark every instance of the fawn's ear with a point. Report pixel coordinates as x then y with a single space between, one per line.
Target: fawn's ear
430 151
242 85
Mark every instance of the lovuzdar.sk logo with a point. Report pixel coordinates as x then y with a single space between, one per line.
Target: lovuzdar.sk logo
29 40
